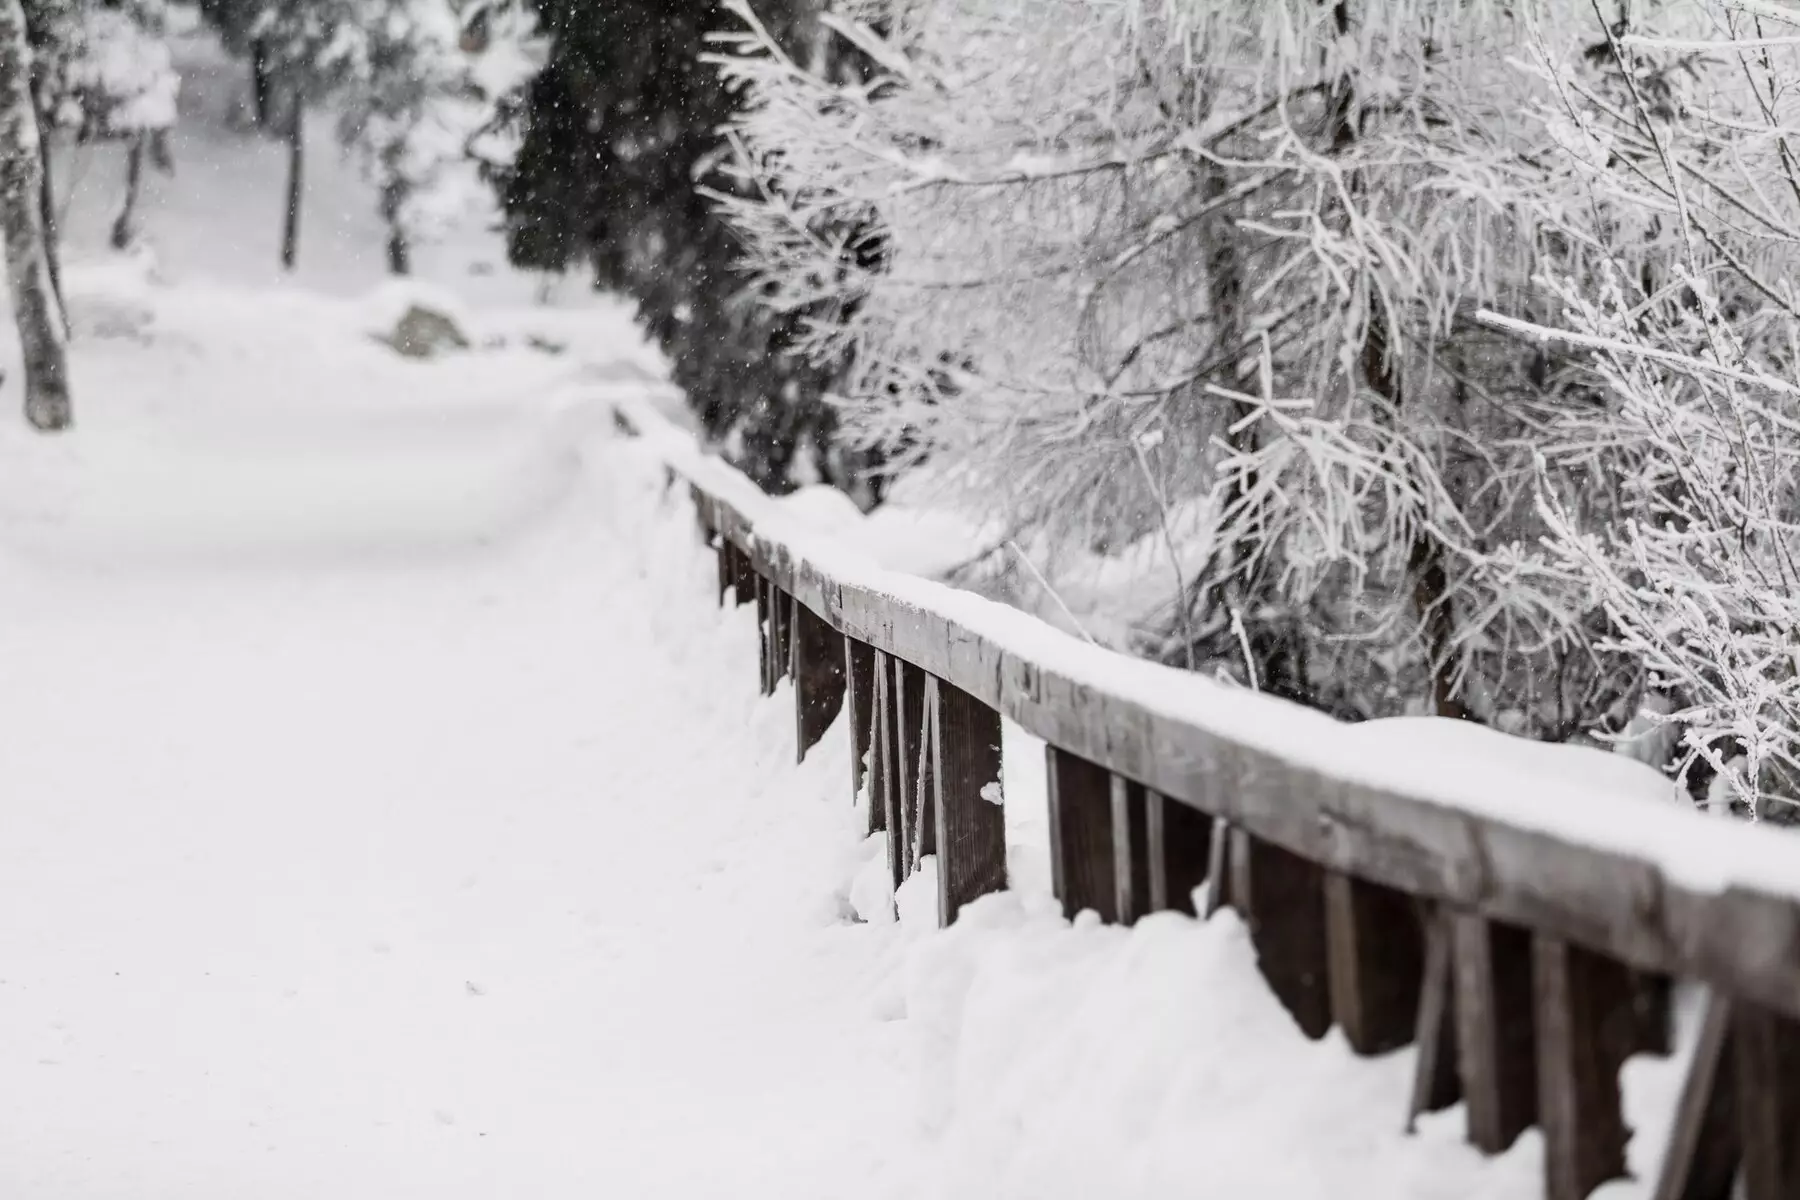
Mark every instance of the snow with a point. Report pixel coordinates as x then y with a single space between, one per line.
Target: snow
1441 747
390 812
390 809
1153 1061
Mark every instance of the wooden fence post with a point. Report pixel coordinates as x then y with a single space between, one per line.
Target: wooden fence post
970 827
1653 1019
1281 897
1218 868
1495 1039
1131 850
881 754
1705 1147
765 633
1081 853
909 739
1377 962
818 677
743 577
1767 1063
859 685
781 641
1180 847
1437 1081
1585 1025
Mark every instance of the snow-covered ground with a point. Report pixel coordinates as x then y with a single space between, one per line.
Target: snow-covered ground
387 810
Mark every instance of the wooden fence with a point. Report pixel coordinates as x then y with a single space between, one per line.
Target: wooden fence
1526 965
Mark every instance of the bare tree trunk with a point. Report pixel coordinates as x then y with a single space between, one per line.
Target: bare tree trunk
124 230
262 82
394 195
290 238
47 209
42 338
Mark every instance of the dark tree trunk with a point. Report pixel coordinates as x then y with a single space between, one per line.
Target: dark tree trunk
124 230
262 83
394 195
47 210
296 192
42 339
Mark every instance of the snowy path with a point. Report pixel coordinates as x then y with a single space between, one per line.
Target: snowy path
457 873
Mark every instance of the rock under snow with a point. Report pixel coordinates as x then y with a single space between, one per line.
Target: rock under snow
426 333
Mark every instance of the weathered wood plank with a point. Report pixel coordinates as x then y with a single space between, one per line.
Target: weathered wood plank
781 649
1701 1162
1180 849
1437 1083
1282 898
909 734
1377 957
1131 850
1584 1024
1767 1062
1653 1018
881 758
765 634
970 827
1218 868
818 677
859 697
1081 853
1495 1036
744 579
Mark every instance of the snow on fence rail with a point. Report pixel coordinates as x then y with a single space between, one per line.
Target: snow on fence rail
1523 930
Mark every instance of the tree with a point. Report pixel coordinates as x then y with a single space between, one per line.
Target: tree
620 146
1196 289
123 86
430 84
310 48
1677 129
236 21
35 306
1442 354
54 30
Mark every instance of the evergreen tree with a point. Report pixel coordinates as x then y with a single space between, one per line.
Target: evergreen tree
429 85
310 48
122 85
621 146
236 24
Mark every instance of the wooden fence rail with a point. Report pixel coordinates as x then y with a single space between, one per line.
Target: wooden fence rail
1525 962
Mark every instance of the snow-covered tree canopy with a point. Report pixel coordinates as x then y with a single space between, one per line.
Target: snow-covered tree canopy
103 67
1204 284
423 97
